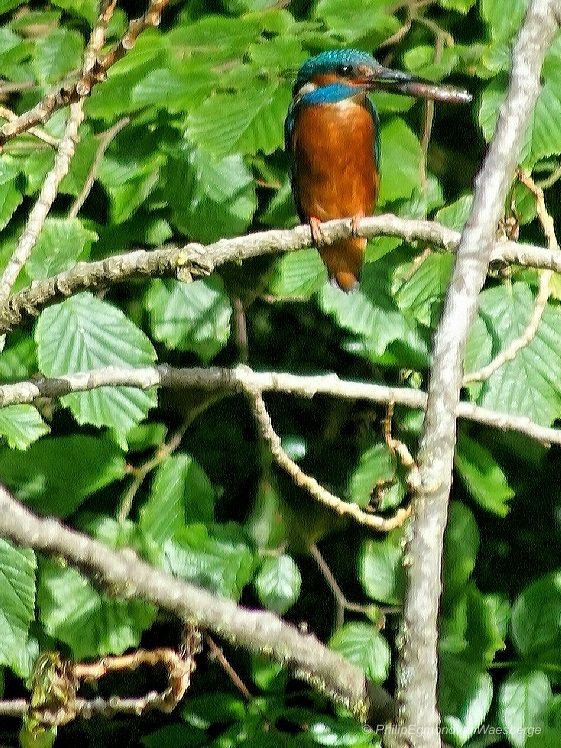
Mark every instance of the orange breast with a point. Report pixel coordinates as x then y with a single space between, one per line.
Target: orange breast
334 171
335 176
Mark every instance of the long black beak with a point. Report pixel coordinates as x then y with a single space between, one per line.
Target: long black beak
396 81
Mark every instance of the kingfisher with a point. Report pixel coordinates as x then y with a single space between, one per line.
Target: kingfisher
332 138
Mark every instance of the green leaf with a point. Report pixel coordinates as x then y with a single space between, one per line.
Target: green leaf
357 20
210 198
529 385
455 214
247 122
89 622
464 697
375 466
57 54
536 616
543 738
218 559
523 700
88 9
482 475
61 243
423 292
371 312
21 425
297 275
10 199
343 731
401 156
381 569
473 625
181 493
56 474
462 6
364 646
278 583
85 333
461 543
503 25
17 601
190 316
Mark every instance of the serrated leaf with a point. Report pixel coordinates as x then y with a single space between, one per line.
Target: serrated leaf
381 569
10 199
85 333
455 214
21 425
372 313
57 54
88 9
17 601
61 243
89 622
56 474
357 20
536 616
218 559
278 583
364 646
522 703
247 122
482 475
464 697
423 292
298 275
210 198
180 493
190 316
529 385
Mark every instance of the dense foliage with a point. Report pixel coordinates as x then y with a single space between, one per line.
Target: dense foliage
200 158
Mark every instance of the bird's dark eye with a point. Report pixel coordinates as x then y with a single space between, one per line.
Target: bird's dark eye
345 70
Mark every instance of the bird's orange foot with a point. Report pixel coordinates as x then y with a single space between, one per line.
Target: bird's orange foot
318 237
355 225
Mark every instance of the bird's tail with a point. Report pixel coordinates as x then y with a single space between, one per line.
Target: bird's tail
343 260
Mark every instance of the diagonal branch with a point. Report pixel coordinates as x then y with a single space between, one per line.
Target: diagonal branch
418 720
258 631
239 379
196 260
95 71
310 484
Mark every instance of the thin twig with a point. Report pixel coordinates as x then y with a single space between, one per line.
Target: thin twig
217 654
46 198
310 484
38 132
105 139
542 297
140 474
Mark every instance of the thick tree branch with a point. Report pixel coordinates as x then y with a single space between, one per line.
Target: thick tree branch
124 574
418 720
197 260
239 379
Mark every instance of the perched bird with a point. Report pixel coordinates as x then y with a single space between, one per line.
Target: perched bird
332 137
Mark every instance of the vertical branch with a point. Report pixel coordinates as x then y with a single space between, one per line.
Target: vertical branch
418 719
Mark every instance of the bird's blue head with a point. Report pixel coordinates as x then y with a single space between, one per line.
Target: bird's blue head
357 70
336 66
